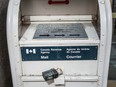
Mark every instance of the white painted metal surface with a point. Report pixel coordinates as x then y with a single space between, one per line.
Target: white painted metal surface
68 84
67 78
57 18
82 67
86 73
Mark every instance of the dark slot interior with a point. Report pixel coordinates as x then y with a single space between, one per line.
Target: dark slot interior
45 35
74 35
59 35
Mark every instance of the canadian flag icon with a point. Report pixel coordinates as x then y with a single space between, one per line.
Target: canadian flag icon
32 51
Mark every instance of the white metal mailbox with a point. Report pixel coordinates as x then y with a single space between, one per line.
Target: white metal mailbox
59 43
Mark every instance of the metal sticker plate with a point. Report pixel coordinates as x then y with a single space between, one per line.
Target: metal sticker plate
59 53
66 30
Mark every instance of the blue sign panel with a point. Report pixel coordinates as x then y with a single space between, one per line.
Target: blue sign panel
59 53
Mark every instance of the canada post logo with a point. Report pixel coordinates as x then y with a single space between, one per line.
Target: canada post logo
30 51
